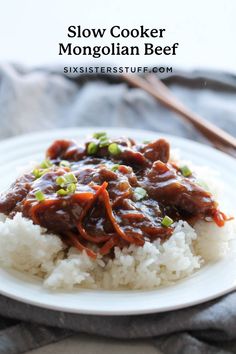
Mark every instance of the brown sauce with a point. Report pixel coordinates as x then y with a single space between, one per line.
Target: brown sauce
116 196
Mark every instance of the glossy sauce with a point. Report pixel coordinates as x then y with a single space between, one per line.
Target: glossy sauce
104 208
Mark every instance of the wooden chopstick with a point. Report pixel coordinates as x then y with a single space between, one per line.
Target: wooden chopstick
218 137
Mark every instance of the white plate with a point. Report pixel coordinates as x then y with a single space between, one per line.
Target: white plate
210 282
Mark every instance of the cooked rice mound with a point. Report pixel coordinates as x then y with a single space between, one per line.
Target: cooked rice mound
27 247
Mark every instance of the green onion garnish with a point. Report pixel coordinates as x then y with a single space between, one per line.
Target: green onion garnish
92 148
114 149
61 181
185 170
46 164
139 193
66 179
36 172
98 135
39 196
39 173
71 188
70 178
103 142
64 163
146 141
166 221
115 167
62 192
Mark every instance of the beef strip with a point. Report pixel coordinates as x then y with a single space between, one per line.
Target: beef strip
165 184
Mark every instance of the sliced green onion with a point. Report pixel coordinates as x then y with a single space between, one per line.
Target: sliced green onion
166 221
92 148
103 142
71 188
139 193
185 170
114 149
115 167
46 164
39 196
146 141
61 181
39 173
64 163
36 172
62 192
70 178
99 135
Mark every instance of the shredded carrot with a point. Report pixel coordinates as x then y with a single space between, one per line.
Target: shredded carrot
74 239
220 218
81 229
131 215
111 216
83 196
106 248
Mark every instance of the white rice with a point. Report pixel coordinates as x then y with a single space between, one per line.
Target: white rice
27 247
